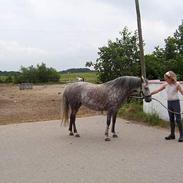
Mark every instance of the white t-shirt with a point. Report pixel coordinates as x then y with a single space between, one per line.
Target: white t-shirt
172 92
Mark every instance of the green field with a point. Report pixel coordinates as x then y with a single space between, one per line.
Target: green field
5 79
66 77
71 77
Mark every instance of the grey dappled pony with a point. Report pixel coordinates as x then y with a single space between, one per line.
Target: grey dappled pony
108 97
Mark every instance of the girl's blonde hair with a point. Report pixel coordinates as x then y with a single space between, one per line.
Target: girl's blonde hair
171 75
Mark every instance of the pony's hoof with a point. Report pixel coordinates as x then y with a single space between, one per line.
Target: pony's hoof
107 139
71 133
114 136
77 135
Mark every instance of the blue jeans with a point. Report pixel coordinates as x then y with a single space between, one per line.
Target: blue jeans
175 107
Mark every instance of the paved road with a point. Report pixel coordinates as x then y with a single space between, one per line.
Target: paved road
45 153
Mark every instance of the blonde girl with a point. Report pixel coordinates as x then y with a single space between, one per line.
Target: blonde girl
172 88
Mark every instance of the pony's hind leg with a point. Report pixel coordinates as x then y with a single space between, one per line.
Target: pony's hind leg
113 125
72 122
75 130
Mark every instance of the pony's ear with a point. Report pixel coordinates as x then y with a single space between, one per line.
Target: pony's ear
144 80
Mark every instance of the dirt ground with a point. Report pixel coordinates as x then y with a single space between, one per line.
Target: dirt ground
41 103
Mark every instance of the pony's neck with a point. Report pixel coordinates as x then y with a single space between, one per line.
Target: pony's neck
125 82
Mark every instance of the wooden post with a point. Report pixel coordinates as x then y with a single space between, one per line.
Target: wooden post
142 62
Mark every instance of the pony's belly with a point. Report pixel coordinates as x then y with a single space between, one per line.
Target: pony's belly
95 107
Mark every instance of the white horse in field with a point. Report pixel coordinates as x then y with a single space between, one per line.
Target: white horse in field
80 79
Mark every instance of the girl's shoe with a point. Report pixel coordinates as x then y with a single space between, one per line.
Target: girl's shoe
170 137
180 139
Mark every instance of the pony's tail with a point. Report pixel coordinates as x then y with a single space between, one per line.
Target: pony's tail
64 110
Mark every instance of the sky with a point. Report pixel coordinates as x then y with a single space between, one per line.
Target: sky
66 34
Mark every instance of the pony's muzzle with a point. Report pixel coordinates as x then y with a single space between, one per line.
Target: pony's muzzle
148 98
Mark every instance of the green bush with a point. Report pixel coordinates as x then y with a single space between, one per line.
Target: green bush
6 79
134 111
38 74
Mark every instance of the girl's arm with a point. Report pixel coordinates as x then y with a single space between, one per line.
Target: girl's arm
180 89
162 87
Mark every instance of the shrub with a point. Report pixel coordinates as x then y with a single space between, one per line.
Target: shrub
38 74
134 111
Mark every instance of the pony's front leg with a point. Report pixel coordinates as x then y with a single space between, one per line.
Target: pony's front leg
70 129
113 125
107 127
75 130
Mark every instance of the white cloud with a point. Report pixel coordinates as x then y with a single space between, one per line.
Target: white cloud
14 48
155 32
68 33
13 52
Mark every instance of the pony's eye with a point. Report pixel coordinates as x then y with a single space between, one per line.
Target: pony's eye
146 87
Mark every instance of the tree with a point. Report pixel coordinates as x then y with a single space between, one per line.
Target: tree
154 67
171 57
174 44
119 57
38 74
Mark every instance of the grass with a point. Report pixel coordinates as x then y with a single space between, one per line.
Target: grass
71 77
134 111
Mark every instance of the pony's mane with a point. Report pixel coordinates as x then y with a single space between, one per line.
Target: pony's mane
126 82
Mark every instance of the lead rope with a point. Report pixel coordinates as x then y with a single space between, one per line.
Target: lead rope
166 107
159 102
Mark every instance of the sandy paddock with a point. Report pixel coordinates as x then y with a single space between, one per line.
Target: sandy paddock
38 104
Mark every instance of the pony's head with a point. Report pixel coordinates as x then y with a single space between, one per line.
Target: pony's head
145 90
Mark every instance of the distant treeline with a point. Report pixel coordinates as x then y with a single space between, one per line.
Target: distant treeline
8 73
76 70
72 70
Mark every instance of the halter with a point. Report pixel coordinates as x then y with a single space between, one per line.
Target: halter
142 95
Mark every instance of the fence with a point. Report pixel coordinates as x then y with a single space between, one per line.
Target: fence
24 86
